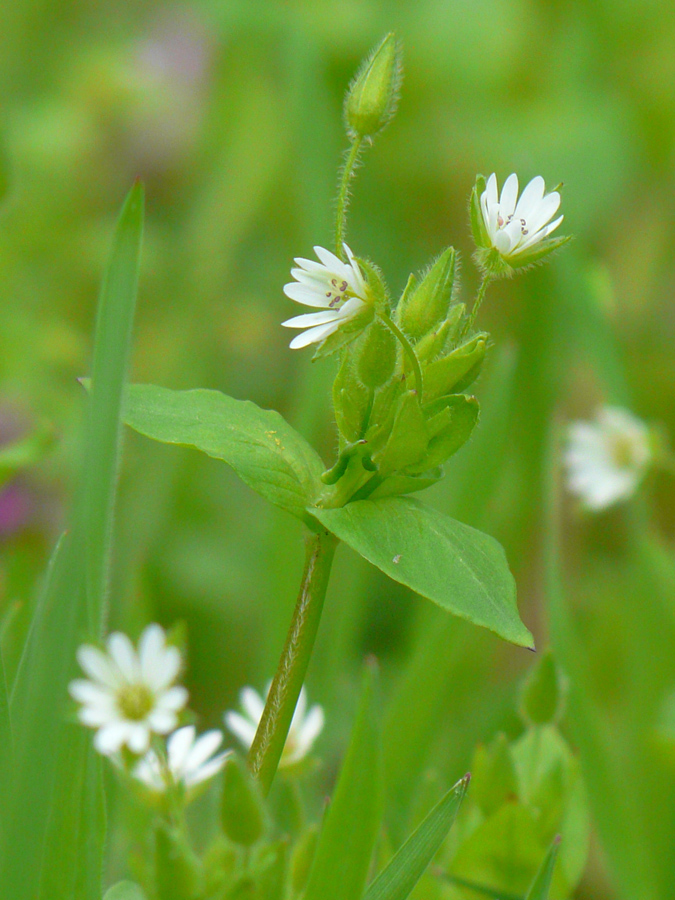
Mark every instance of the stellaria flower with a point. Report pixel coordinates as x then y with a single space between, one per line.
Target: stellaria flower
129 694
607 458
515 227
305 726
335 287
189 761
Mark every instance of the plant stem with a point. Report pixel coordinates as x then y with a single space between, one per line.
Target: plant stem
268 744
487 278
407 349
343 194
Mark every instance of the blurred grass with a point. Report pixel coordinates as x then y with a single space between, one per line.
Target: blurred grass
230 112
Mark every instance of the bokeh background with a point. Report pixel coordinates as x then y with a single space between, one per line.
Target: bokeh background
231 114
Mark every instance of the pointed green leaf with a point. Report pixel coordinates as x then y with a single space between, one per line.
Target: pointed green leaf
542 882
345 845
6 739
262 448
124 890
398 879
461 569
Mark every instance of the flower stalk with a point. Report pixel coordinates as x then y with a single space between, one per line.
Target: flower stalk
270 738
480 296
343 194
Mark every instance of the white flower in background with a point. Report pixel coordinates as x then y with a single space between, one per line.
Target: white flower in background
129 694
607 458
335 287
305 726
515 225
189 761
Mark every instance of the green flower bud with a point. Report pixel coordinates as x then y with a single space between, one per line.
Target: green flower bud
242 809
177 869
493 779
450 423
453 373
351 401
427 307
372 96
302 859
543 692
377 352
441 338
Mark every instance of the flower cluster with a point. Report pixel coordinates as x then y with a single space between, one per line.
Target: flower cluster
130 696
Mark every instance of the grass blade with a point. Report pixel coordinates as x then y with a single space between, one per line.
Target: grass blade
542 882
398 879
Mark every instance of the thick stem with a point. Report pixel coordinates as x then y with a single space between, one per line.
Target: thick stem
343 195
268 744
408 350
487 278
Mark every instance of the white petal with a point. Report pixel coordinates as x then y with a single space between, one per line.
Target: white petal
90 694
96 716
240 727
123 654
491 192
203 749
252 704
308 320
311 729
138 739
353 306
543 212
300 710
208 770
98 666
166 668
111 737
530 197
313 335
507 201
309 265
151 648
308 296
358 283
173 699
178 748
333 263
502 241
161 721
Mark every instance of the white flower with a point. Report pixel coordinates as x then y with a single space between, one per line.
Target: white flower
189 762
331 285
129 694
515 225
607 458
305 726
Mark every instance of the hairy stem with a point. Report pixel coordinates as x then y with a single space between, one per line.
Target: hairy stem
343 195
270 738
487 278
407 349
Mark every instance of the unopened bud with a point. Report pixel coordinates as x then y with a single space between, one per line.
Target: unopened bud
377 355
453 373
445 336
373 94
450 425
427 307
242 810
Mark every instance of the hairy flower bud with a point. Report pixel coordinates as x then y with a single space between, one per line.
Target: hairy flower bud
377 355
373 94
427 306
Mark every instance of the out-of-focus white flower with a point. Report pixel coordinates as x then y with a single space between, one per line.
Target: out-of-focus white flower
305 726
335 287
189 761
129 694
607 458
515 225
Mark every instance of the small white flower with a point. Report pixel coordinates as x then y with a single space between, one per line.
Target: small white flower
607 458
331 285
515 225
129 694
189 761
305 726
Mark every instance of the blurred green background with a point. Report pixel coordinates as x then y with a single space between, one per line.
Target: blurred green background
231 114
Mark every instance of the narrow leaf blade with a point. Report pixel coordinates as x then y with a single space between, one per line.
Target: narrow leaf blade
262 448
398 879
542 882
461 569
352 822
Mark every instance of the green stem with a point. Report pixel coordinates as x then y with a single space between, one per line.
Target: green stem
407 349
343 195
487 278
270 738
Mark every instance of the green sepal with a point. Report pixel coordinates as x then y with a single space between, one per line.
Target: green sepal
456 371
372 96
543 694
449 430
302 858
407 441
376 355
376 283
346 333
242 812
443 338
478 229
178 872
406 484
427 307
494 775
351 401
535 254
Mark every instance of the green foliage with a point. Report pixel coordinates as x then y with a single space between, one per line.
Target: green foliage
242 812
459 568
398 879
542 883
178 872
426 308
456 371
543 692
262 448
124 890
352 821
373 94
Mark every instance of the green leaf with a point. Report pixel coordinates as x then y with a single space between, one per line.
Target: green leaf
262 448
408 439
461 569
345 845
398 879
24 453
6 739
124 890
542 882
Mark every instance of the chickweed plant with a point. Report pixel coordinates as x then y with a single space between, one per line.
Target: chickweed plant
404 368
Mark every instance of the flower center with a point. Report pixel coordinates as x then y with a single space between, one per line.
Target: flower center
338 288
622 451
502 223
135 701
